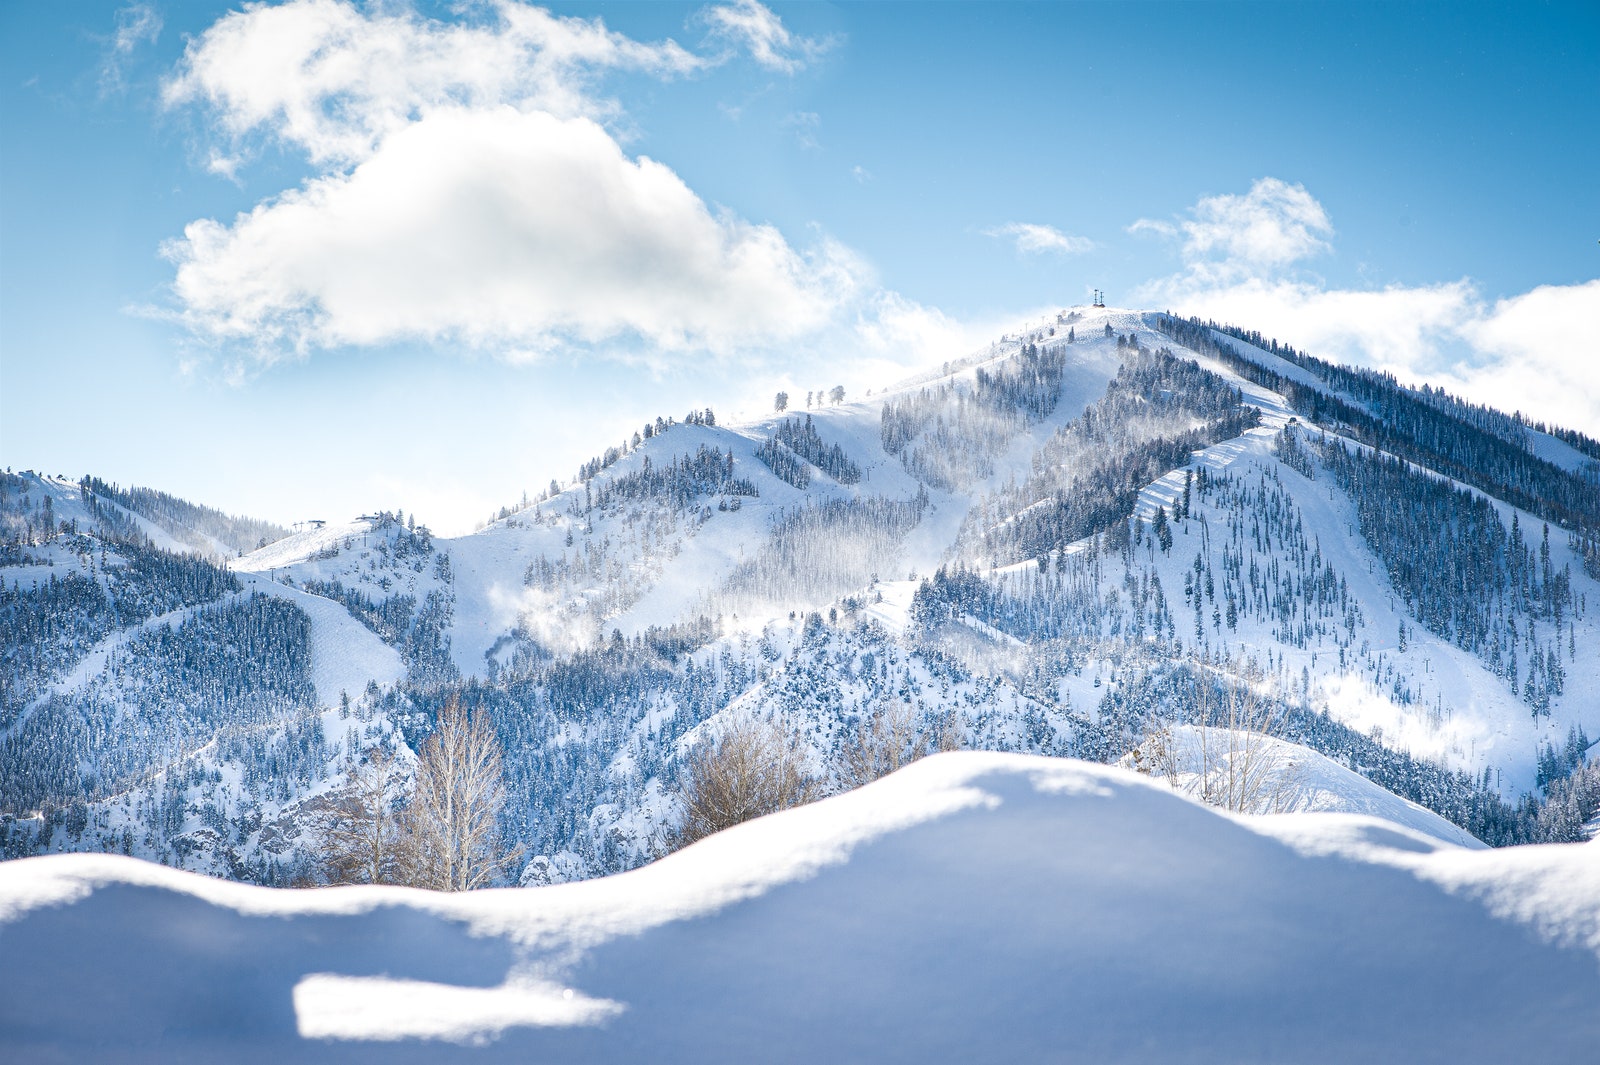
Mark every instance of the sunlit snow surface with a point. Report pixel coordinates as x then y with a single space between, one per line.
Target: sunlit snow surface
973 907
1292 779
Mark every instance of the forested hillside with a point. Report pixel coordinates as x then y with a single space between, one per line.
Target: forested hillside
1081 540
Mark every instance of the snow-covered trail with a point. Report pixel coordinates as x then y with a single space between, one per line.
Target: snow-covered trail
67 500
93 664
345 654
973 907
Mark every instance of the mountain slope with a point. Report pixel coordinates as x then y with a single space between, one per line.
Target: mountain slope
1053 546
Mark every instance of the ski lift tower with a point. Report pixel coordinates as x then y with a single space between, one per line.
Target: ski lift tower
1099 298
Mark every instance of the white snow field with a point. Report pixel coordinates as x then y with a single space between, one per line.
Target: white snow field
1277 776
970 908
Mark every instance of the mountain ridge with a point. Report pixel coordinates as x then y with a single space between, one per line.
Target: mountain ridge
682 574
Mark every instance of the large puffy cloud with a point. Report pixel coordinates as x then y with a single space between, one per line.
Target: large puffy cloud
1230 237
1542 353
467 188
499 226
1532 352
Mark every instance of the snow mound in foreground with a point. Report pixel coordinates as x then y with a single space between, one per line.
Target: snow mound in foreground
972 907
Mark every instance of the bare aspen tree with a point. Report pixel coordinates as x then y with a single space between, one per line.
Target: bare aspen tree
756 767
450 828
1243 767
1229 756
886 739
361 841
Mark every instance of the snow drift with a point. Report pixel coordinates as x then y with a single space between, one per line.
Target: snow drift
972 907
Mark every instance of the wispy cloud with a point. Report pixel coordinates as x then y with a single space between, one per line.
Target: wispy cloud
1034 239
136 24
332 80
755 28
805 125
1532 351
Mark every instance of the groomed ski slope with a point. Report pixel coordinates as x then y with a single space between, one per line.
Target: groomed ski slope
345 656
972 907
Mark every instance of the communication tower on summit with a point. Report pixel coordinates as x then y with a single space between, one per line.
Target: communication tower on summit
1099 298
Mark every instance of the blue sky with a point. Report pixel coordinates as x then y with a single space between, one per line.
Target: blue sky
316 257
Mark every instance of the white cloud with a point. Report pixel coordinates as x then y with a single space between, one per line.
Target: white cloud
1153 225
1532 352
467 190
332 80
1540 350
754 27
1397 328
136 24
1272 226
913 334
1033 239
805 125
495 227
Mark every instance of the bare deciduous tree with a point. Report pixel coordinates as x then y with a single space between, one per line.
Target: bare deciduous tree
886 739
362 842
755 767
1228 756
450 827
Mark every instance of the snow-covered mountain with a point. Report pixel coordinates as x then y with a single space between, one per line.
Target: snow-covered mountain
1065 541
971 907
